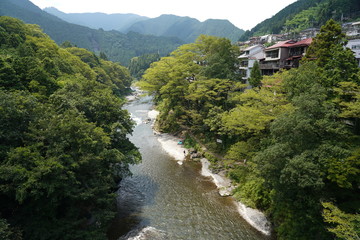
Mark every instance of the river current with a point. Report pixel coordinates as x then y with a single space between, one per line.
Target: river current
165 200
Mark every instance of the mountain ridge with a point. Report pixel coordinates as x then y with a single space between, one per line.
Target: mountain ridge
96 20
117 46
167 25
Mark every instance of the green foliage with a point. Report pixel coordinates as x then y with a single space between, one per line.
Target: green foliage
256 109
240 152
221 57
17 110
186 85
346 225
305 19
255 75
303 14
275 24
328 50
8 233
252 193
117 46
289 145
138 65
63 137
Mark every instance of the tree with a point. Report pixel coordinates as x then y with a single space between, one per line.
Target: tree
138 65
346 225
17 110
191 81
338 63
302 142
255 110
63 137
220 57
255 75
65 171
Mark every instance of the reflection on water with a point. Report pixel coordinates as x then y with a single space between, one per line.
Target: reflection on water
164 200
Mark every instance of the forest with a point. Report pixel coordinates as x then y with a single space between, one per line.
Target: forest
290 142
118 47
303 14
63 136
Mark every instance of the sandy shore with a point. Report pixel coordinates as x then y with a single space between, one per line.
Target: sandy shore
222 183
169 142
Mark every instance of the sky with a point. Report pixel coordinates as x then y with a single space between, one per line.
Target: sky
244 14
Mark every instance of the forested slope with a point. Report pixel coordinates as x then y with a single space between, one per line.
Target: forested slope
117 46
291 144
303 14
63 144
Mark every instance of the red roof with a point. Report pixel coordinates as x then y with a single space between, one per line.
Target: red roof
291 43
305 42
280 44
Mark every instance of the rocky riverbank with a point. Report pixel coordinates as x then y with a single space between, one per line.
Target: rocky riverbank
171 145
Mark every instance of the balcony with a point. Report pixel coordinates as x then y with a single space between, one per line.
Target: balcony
274 65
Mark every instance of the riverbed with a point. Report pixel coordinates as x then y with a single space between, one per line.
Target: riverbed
167 200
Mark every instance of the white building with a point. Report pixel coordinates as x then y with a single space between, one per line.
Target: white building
354 45
247 59
351 29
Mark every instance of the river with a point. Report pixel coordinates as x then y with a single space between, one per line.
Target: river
165 200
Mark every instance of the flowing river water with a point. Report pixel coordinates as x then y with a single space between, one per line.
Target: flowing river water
165 200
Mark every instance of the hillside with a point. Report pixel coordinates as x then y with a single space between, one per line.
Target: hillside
117 46
186 28
64 107
306 13
107 22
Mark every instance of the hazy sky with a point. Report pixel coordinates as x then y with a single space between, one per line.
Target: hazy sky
244 14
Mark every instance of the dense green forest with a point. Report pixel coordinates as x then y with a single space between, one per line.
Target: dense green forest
304 14
117 46
291 144
139 65
63 137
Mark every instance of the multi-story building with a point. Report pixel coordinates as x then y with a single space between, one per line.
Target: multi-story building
351 29
283 55
354 45
247 59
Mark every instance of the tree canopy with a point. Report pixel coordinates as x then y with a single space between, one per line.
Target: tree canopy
63 137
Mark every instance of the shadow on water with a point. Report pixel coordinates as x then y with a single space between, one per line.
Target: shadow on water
134 193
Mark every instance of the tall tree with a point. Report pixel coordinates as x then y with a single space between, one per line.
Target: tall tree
255 75
337 62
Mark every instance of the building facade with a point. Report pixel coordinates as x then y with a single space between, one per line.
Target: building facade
247 59
354 45
283 55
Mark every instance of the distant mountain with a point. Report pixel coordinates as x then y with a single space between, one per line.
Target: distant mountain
119 22
186 28
306 13
117 46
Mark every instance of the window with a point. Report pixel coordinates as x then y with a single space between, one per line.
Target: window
355 47
244 64
272 54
